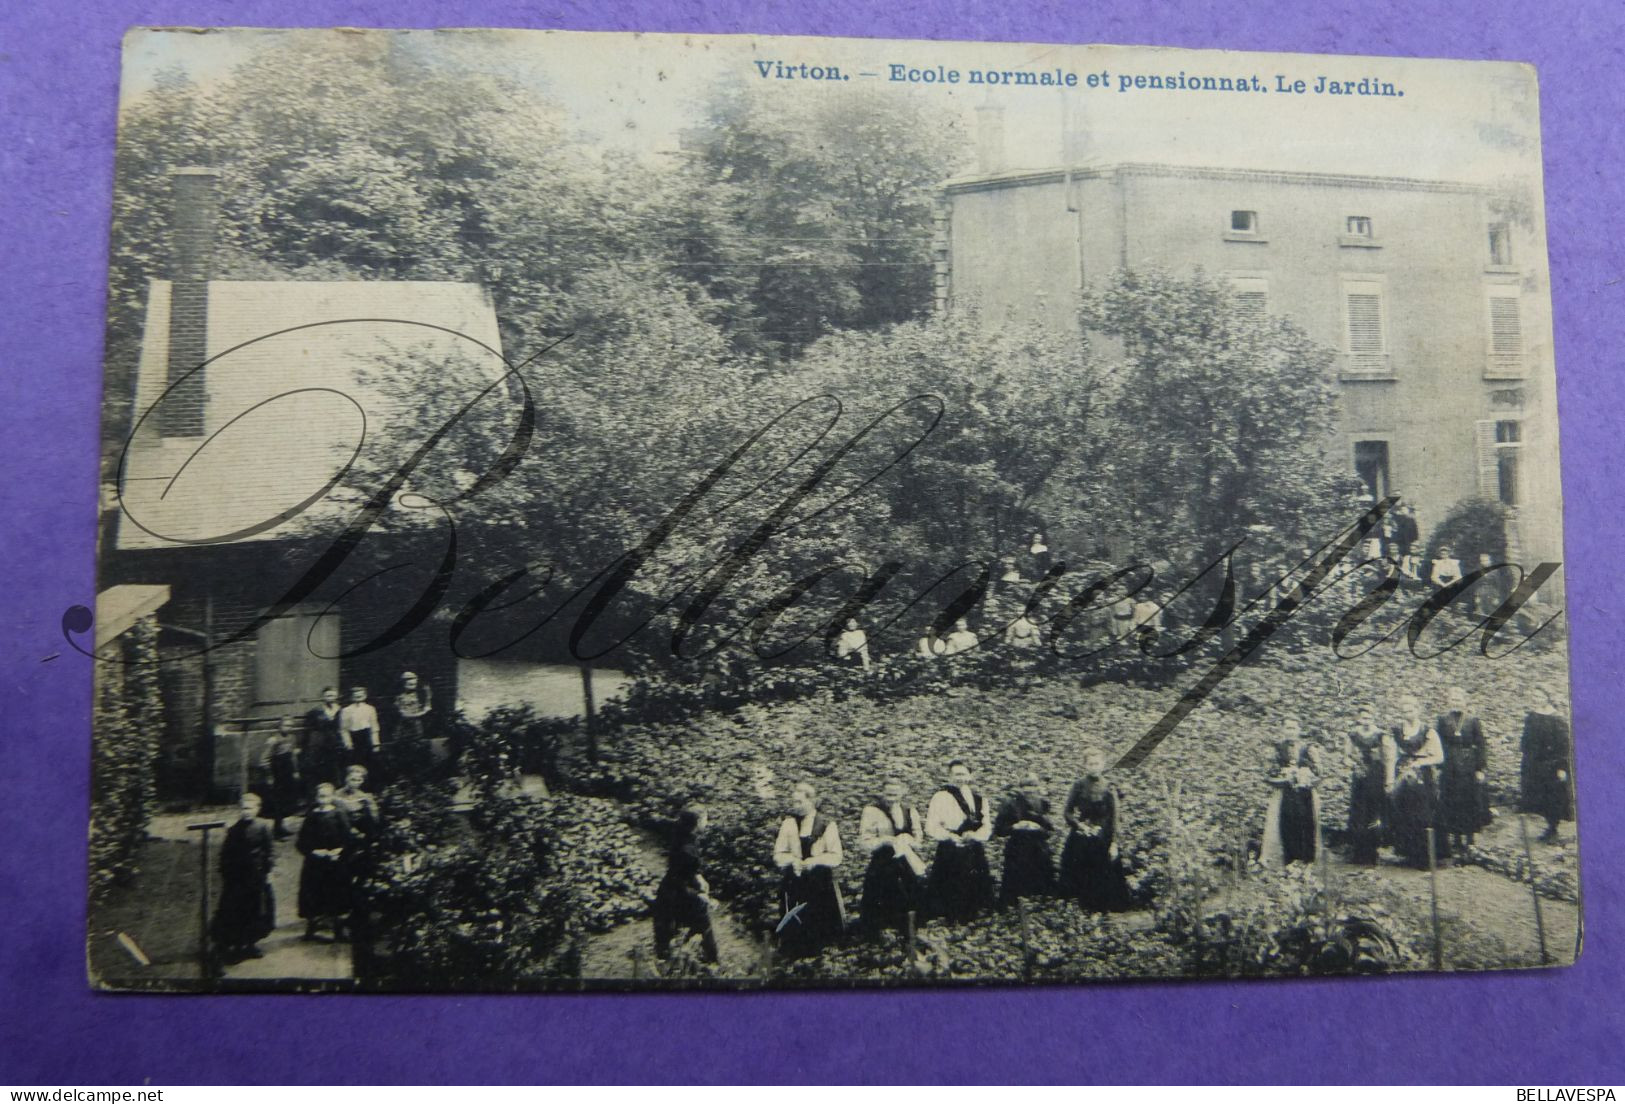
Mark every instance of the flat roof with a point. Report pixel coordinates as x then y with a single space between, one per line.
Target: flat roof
1018 178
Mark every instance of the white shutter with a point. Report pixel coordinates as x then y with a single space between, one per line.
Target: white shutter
1365 323
1363 312
1249 298
1506 336
1489 472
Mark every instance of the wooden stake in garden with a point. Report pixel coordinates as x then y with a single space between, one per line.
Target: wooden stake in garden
1534 891
1026 941
767 958
1433 891
205 960
1325 865
912 917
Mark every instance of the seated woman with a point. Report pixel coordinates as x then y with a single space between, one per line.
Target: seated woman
1022 633
1090 869
890 831
807 851
682 904
1024 820
852 646
1292 815
959 820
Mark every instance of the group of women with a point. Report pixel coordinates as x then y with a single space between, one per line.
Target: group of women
1405 778
955 885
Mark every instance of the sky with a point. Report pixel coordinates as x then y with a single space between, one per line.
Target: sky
1473 121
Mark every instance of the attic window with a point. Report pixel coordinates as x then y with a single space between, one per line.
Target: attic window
1244 222
1357 226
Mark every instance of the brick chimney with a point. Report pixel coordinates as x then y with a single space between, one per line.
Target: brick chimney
192 218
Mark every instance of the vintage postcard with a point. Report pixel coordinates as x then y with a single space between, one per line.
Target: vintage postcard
635 510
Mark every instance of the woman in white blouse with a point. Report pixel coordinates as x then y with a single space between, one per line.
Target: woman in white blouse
807 851
891 830
959 819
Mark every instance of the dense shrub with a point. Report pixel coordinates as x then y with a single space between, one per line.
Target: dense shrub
1474 527
129 719
490 887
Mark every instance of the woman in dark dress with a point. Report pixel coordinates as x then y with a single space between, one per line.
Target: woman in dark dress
1464 792
1292 817
324 880
1415 798
1039 557
1547 752
282 757
682 905
247 911
1090 870
890 831
1371 775
1024 821
411 752
807 851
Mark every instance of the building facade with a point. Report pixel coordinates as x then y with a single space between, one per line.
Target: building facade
1432 294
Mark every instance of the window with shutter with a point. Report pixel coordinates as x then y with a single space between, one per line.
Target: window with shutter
1250 298
1506 336
1489 468
1367 343
1500 244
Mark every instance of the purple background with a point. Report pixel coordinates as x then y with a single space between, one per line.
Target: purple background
58 85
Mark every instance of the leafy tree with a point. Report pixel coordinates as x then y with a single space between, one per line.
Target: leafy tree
1221 417
388 164
828 197
1018 442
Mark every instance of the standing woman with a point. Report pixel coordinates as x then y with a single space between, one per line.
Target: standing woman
1024 820
1415 798
890 831
682 905
1371 775
324 880
282 761
1464 791
1547 754
1090 870
807 851
1039 557
1292 817
246 913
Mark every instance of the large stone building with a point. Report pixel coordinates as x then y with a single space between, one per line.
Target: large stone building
1432 293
